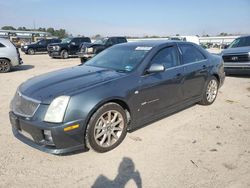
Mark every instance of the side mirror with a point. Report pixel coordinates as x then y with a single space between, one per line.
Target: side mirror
154 68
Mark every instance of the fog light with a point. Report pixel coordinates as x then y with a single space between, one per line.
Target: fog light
47 135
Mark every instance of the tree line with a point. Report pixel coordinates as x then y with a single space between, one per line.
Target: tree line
60 33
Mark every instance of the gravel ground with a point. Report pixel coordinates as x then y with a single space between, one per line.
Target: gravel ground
202 146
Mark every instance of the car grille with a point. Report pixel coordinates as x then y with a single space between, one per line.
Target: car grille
236 58
24 106
50 48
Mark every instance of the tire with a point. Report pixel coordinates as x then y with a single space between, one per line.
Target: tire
31 51
83 60
5 65
103 136
64 54
210 92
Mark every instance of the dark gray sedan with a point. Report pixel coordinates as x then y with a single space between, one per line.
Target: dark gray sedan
119 90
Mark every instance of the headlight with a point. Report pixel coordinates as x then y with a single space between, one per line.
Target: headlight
56 48
25 47
56 110
90 50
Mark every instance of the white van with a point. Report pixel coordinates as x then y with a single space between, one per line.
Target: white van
192 38
9 56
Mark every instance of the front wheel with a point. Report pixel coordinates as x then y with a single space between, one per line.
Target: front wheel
107 128
5 65
31 51
64 54
210 93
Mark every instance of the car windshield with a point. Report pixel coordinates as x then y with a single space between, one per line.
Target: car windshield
67 40
101 41
240 42
119 58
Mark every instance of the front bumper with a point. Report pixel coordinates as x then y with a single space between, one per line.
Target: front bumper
25 50
85 55
54 53
33 134
237 68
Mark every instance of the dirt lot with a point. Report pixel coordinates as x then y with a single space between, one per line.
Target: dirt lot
197 147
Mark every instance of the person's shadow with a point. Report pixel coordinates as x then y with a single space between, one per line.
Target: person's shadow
126 172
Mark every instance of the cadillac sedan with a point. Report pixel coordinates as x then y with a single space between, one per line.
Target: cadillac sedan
119 90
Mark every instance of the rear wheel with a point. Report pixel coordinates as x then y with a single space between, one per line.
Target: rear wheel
5 65
64 54
31 51
210 93
107 128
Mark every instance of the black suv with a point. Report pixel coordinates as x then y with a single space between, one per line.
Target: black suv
40 46
68 47
88 50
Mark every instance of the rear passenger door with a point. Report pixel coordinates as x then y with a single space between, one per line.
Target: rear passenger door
195 65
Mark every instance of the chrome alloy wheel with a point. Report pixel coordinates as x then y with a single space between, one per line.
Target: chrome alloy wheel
108 128
212 89
4 65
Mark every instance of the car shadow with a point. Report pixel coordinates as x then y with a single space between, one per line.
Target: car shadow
126 172
22 68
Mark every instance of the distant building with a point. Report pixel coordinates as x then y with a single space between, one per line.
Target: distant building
20 37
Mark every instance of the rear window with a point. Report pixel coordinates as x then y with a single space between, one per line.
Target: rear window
190 54
85 40
1 45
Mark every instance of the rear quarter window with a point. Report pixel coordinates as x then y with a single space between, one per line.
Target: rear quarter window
190 53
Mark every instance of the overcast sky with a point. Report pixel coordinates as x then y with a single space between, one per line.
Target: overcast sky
130 17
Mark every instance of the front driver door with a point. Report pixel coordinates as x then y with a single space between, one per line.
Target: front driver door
162 90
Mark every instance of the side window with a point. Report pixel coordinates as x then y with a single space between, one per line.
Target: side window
85 40
121 40
1 45
248 41
190 54
167 57
75 40
109 42
114 41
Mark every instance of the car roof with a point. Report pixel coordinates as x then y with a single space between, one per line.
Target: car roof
152 43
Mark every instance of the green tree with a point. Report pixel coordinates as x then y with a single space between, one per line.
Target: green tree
8 27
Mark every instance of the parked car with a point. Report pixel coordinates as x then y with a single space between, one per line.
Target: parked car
119 90
88 50
9 56
68 47
237 56
40 46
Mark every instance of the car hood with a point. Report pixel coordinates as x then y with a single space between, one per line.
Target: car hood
236 50
66 82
